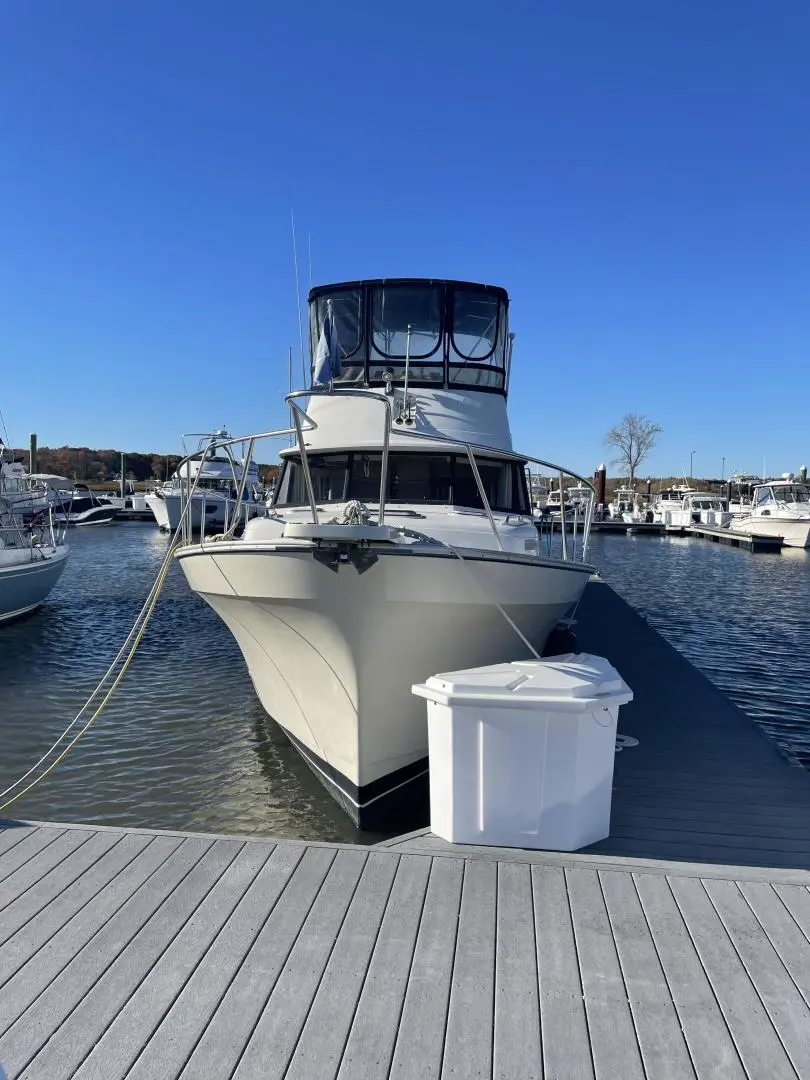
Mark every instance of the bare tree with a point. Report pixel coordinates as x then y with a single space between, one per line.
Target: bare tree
632 439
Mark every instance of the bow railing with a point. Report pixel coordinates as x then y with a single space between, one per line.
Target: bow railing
574 547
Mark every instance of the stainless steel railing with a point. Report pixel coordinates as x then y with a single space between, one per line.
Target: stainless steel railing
32 537
302 423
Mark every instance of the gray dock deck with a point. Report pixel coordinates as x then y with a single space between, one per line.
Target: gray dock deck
679 947
756 542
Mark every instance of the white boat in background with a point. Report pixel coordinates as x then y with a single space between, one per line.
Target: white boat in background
32 559
693 508
741 493
625 506
400 540
213 480
82 507
779 508
577 498
23 493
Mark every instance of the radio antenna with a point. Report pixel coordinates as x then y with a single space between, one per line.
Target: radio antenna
298 300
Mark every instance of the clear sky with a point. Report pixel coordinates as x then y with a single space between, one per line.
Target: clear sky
635 172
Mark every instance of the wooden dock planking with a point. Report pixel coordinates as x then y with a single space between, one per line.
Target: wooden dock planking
170 957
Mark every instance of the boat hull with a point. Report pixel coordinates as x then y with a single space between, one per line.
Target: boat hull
168 510
333 650
795 532
26 585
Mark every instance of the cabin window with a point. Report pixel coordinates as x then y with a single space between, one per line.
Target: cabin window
446 479
348 322
458 333
478 339
328 472
394 308
476 321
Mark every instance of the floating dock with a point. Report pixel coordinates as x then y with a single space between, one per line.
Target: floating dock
649 528
134 515
638 528
717 535
678 947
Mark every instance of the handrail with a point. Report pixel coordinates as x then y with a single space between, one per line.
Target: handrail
31 536
303 422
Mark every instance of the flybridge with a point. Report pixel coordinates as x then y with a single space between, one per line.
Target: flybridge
419 331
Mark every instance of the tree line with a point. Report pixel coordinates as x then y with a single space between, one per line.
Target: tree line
87 466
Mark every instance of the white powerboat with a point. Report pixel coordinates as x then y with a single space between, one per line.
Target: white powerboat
24 494
213 481
779 508
577 498
31 562
741 493
400 540
693 508
82 507
626 506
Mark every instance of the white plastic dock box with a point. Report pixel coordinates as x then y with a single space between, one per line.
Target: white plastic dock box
521 754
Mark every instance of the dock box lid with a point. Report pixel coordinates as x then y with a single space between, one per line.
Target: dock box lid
573 681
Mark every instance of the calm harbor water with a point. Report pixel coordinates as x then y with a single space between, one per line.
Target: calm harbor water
185 744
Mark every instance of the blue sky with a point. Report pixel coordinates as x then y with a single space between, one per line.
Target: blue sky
636 174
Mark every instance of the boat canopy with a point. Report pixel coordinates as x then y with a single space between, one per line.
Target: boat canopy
458 333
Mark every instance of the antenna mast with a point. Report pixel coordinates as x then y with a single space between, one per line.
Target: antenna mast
298 300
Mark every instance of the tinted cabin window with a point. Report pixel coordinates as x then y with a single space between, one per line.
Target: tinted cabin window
348 320
412 478
328 472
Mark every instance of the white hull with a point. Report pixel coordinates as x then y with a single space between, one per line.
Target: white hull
168 509
683 519
333 652
794 531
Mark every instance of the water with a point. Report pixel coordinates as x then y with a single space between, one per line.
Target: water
186 745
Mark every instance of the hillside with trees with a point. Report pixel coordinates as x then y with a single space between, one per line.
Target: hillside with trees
88 466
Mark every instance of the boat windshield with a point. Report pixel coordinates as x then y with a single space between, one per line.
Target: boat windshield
446 479
790 493
452 333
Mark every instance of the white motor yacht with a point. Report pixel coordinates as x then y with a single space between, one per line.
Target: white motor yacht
213 480
693 508
31 562
779 508
400 540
